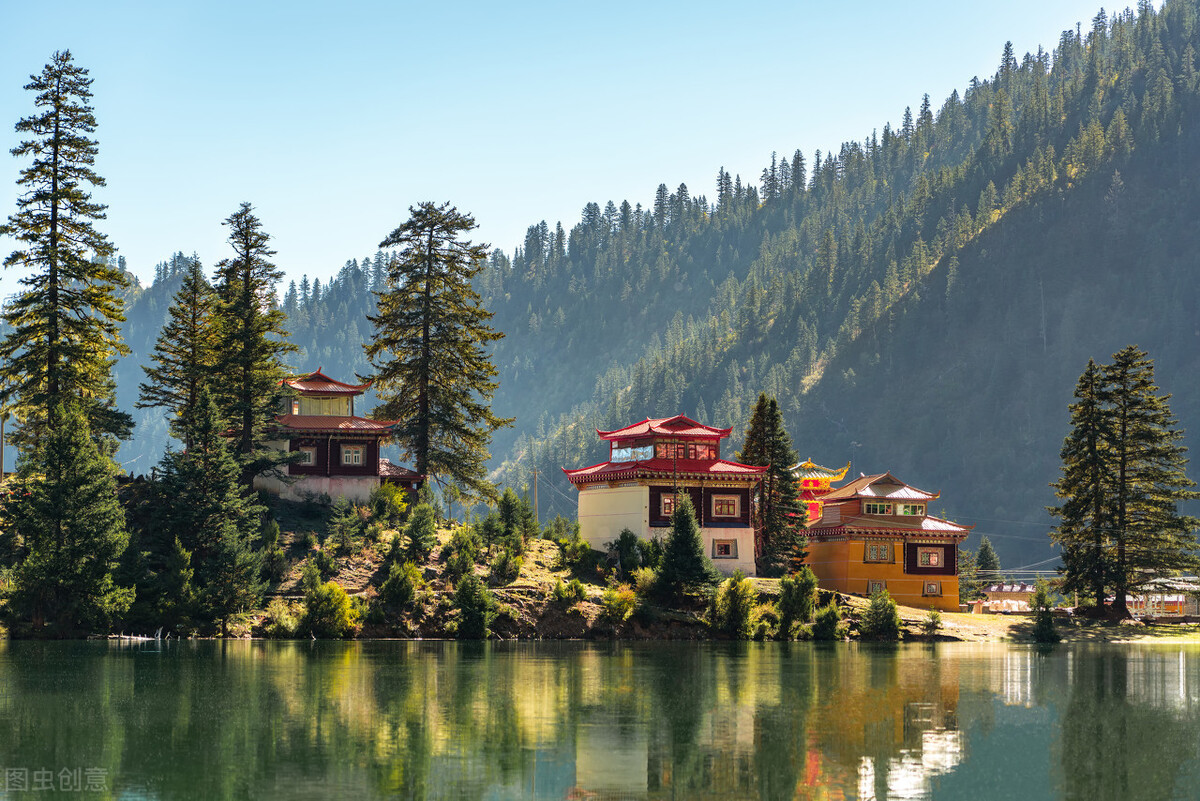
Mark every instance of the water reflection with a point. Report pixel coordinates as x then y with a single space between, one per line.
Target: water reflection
605 721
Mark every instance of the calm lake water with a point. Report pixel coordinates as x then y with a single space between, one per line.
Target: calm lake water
437 720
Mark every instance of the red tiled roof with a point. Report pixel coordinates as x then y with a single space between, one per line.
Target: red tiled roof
677 426
320 384
613 471
881 485
389 470
320 422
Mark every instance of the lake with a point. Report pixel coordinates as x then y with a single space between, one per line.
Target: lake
445 720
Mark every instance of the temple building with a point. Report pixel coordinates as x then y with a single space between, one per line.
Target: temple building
813 483
339 452
876 533
635 489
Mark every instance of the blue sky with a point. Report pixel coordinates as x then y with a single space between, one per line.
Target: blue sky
333 119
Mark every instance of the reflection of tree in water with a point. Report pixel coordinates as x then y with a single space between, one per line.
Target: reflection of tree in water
1129 726
781 744
682 682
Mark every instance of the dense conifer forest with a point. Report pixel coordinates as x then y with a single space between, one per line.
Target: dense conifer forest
920 300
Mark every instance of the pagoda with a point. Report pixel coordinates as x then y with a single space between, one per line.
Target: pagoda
814 482
649 462
338 452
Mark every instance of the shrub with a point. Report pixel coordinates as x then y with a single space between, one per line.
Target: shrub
309 540
463 548
275 564
625 546
644 579
310 575
827 623
576 555
280 621
329 613
388 504
619 602
560 528
420 533
797 600
505 568
401 585
880 620
325 563
569 592
734 606
346 526
651 552
1043 620
476 608
932 623
458 565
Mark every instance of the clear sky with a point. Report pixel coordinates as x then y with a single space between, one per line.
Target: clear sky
332 119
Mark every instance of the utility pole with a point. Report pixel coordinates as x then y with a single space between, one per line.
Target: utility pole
537 512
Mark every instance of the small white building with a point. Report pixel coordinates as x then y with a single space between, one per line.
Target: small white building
648 463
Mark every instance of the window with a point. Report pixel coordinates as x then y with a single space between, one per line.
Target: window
932 588
875 585
670 450
352 454
878 552
724 549
308 456
295 407
929 557
912 509
877 508
630 454
726 506
667 505
702 450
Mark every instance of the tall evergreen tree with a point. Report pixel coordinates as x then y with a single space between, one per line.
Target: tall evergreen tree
251 342
70 529
1084 514
64 333
184 354
777 500
685 566
1148 466
215 517
432 370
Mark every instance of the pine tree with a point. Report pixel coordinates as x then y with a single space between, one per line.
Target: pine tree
1084 514
70 528
780 538
184 353
1147 464
987 562
685 566
433 373
64 333
215 517
251 341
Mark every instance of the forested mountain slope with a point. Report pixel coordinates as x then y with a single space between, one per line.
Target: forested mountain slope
922 300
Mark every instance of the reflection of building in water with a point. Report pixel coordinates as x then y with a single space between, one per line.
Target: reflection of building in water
1161 680
908 775
1016 678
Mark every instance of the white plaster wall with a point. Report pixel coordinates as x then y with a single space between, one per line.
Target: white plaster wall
353 488
604 512
745 549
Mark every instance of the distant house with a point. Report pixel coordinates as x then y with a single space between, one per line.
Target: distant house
635 488
876 533
338 452
814 483
1008 596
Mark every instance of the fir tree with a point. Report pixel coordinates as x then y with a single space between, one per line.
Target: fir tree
1084 528
251 341
63 336
70 528
1147 464
433 373
185 352
986 561
685 566
781 543
215 517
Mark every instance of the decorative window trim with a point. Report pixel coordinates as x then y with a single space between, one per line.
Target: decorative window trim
879 552
352 455
308 456
875 585
724 549
929 557
875 508
727 502
911 510
932 589
666 504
